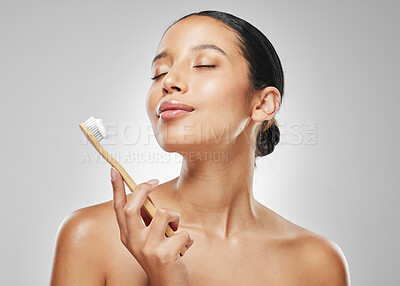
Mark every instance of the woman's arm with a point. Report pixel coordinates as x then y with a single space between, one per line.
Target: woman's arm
77 258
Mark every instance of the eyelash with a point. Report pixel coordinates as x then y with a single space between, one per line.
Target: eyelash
203 66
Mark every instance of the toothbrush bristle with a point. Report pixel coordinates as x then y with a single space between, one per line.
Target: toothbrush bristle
96 127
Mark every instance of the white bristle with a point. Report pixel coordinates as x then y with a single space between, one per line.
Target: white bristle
97 128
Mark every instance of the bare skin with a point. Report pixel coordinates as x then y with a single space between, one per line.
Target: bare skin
236 240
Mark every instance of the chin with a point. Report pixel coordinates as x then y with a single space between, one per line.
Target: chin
177 135
179 146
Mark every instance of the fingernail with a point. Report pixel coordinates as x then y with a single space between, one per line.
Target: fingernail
113 174
153 182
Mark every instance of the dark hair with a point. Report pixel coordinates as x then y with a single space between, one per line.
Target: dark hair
265 69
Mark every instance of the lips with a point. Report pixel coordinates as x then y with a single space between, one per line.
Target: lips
173 105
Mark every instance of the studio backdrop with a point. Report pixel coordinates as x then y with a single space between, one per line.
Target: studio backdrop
335 171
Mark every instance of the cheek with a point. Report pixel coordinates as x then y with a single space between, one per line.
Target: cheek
222 92
223 107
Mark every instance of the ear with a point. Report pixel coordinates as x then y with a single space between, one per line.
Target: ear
265 104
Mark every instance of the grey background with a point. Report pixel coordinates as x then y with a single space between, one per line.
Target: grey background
335 171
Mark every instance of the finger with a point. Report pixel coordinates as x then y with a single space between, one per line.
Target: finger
132 209
180 240
162 218
119 201
145 216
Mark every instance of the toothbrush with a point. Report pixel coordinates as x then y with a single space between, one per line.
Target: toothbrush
95 132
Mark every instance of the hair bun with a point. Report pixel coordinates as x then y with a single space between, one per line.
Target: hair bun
268 139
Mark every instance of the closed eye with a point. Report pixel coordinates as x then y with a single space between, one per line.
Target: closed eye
157 76
199 66
205 66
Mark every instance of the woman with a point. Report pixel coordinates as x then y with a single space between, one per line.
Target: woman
225 81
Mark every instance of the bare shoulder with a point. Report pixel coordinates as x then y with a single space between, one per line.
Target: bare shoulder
86 223
312 258
321 261
80 237
88 228
91 214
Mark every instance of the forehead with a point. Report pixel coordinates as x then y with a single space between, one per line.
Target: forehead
199 30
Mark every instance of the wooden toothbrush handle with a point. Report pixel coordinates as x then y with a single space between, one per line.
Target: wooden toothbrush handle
148 205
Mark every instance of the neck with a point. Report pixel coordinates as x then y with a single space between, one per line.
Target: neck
215 191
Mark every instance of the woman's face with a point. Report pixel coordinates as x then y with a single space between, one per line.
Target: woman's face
217 94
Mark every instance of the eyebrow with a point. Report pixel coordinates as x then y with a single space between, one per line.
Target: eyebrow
196 48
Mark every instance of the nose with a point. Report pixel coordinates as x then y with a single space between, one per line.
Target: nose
173 82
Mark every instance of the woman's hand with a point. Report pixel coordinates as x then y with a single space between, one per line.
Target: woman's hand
145 237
